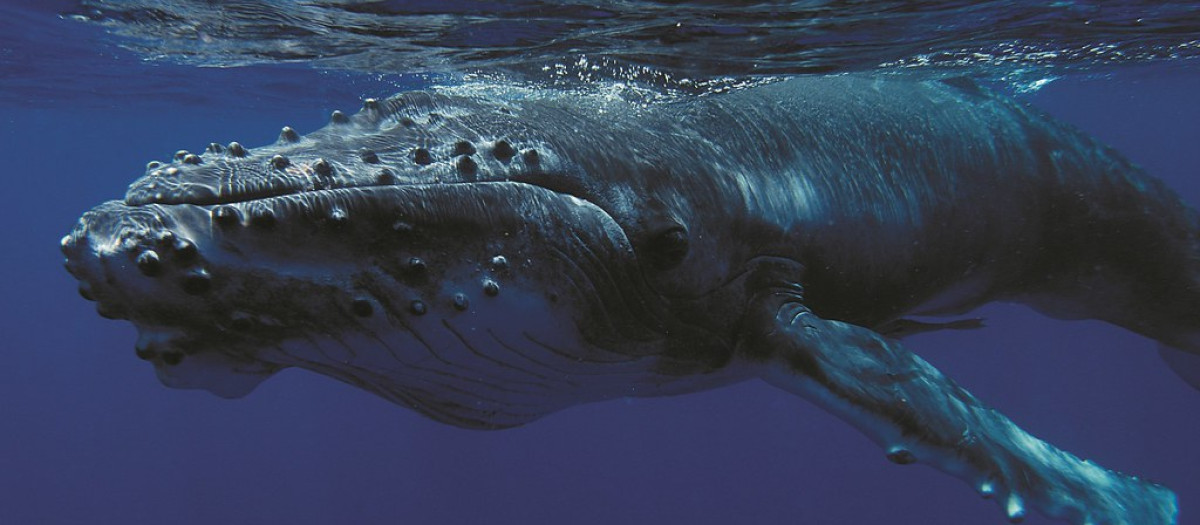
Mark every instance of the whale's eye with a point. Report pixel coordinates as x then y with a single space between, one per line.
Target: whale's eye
667 247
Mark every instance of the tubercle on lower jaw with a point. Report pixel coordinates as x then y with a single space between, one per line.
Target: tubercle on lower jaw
324 159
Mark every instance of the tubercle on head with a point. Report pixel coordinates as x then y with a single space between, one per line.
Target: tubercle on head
170 255
288 135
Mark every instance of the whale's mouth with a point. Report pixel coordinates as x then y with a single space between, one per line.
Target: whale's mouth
205 193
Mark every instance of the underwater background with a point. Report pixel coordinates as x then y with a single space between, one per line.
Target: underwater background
88 435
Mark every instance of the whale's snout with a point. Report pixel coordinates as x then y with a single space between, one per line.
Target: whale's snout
125 254
115 250
145 265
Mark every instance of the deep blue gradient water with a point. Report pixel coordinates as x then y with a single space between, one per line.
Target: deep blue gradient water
88 435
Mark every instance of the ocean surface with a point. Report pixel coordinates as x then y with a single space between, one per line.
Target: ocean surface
91 91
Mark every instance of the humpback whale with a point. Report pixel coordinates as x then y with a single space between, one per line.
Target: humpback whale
487 259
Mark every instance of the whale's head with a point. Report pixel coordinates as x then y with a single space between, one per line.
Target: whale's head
418 242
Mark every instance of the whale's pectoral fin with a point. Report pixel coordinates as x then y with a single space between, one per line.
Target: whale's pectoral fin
917 414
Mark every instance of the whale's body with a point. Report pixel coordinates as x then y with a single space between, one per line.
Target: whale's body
488 260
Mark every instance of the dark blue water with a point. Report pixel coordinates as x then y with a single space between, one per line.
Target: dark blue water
88 435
